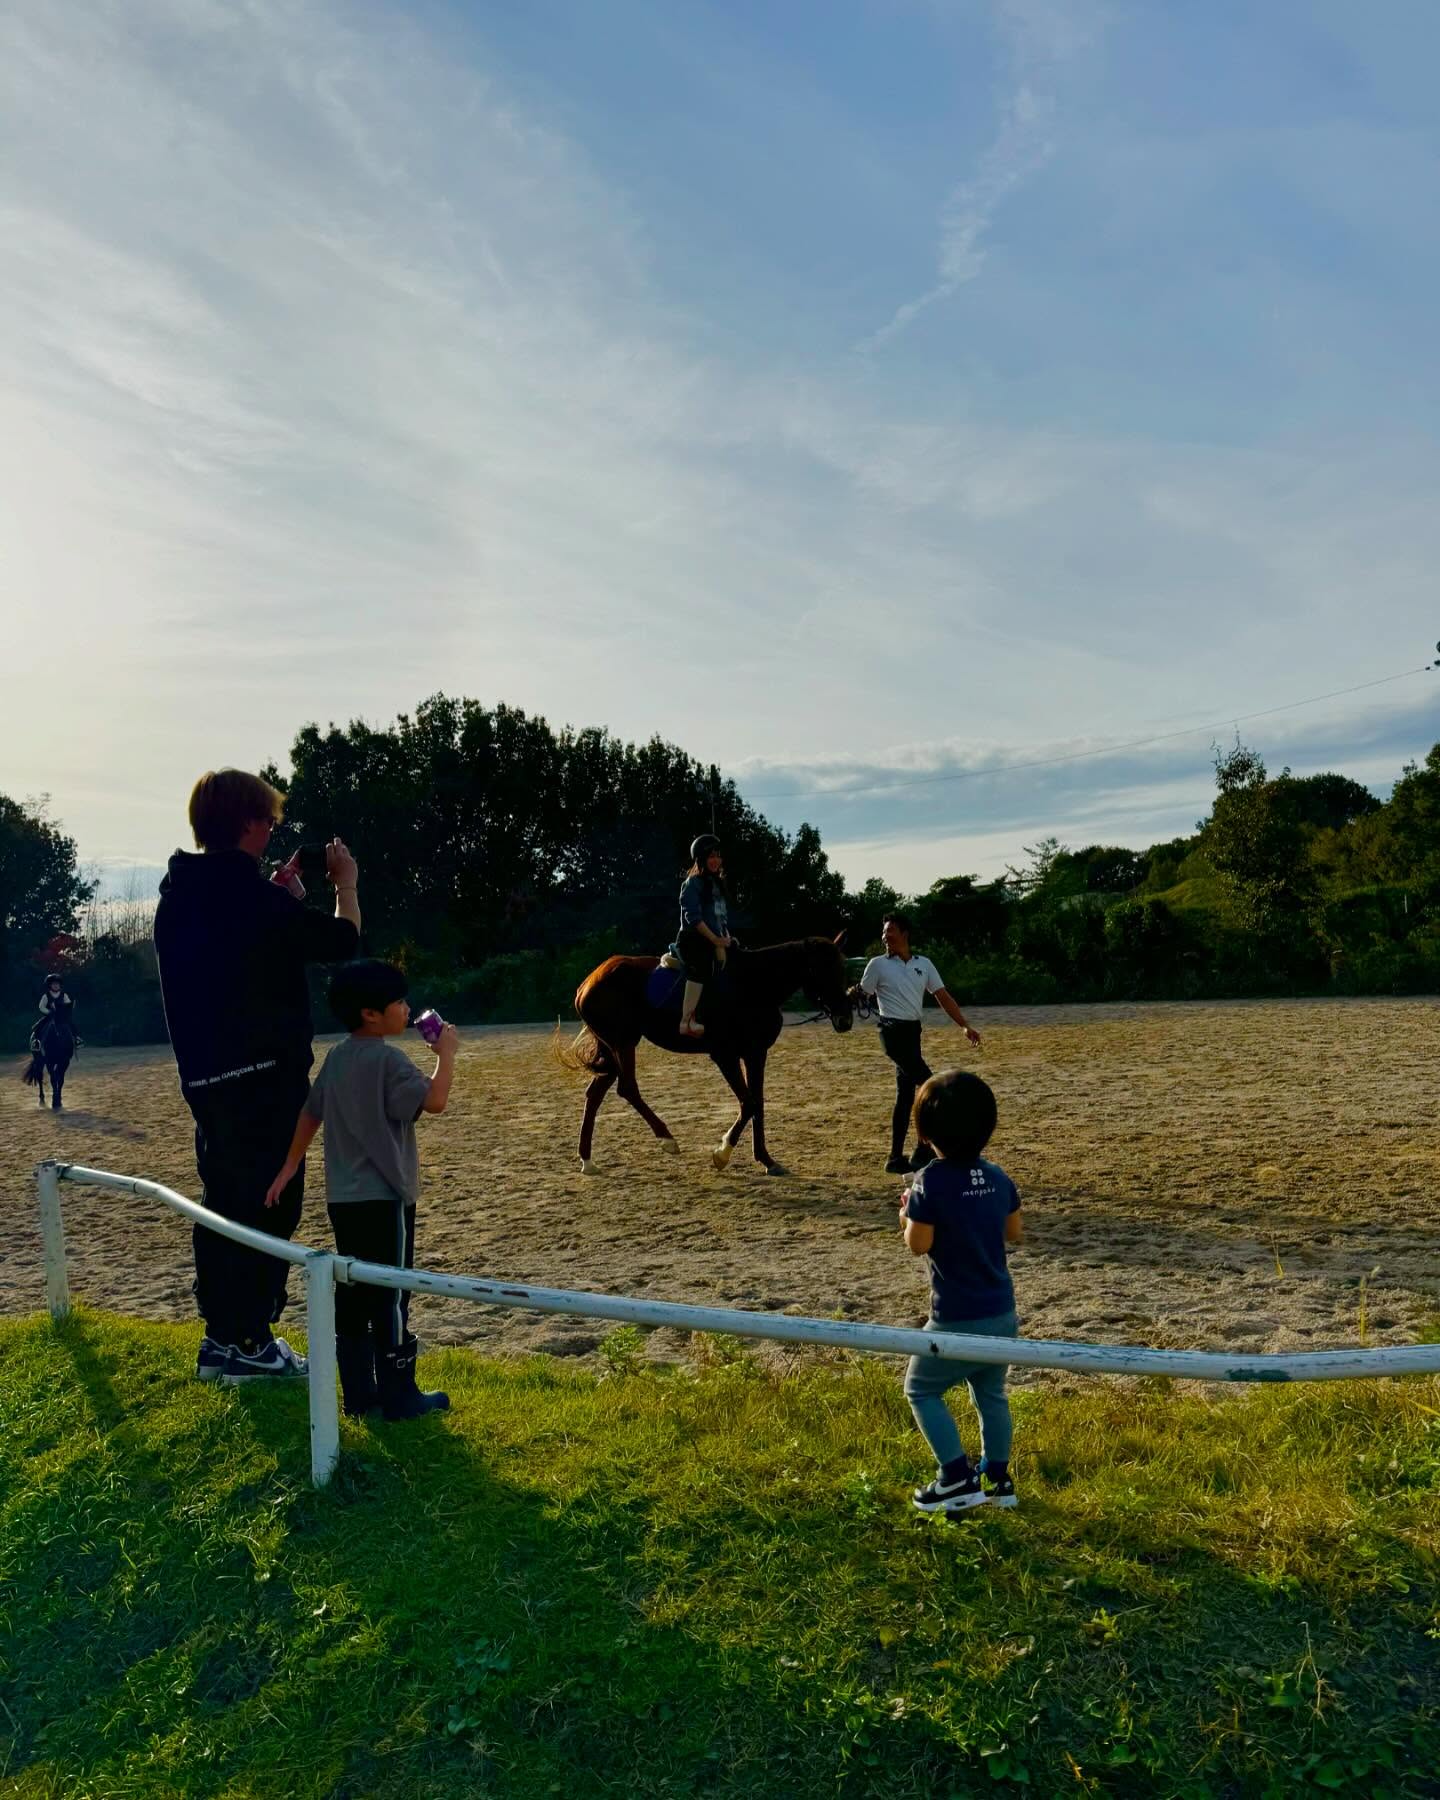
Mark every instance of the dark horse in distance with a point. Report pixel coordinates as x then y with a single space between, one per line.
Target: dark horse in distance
52 1046
741 1015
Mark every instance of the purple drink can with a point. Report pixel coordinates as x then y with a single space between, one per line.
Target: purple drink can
430 1025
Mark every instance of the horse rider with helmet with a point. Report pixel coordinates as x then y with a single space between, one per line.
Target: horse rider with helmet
55 1004
52 1040
704 934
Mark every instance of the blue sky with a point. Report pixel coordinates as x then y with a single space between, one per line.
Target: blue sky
857 393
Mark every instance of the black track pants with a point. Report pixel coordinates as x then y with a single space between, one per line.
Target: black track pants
243 1130
381 1231
900 1040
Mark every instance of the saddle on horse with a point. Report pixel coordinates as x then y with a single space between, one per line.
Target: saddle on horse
665 990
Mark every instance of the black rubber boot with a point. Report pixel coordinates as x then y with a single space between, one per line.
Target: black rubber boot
399 1396
355 1355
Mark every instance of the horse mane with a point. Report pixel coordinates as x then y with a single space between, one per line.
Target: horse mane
794 946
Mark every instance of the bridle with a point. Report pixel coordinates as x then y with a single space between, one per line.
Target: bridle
861 1008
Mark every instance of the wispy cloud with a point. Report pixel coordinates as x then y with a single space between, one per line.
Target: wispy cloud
1023 145
336 367
956 806
1038 37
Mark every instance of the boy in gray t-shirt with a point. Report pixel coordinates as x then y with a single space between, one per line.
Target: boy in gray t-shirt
368 1095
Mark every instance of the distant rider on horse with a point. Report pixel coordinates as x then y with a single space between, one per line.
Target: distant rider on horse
55 1003
52 1041
704 934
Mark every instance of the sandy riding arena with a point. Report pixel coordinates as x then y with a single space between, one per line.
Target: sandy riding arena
1247 1175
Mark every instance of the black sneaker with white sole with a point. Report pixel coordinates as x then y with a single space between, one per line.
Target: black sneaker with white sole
950 1496
274 1361
1000 1493
211 1361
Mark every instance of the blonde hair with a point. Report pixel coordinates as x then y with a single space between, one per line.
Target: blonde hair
224 801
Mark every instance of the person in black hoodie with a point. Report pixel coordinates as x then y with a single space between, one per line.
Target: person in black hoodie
232 948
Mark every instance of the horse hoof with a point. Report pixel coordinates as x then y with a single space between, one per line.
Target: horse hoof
587 1166
776 1169
669 1146
721 1154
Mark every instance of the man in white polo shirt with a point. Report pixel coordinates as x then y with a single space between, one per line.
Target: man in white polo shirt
898 983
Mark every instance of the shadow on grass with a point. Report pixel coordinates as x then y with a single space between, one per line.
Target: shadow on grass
563 1588
1128 1647
186 1614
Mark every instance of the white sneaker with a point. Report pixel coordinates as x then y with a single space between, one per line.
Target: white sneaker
950 1496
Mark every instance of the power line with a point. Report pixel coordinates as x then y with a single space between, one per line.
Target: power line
1050 762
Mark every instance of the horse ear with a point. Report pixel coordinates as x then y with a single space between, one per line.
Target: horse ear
840 937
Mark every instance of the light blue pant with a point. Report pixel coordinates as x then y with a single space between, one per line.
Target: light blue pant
928 1379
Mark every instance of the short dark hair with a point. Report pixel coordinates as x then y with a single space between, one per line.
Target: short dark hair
900 920
956 1113
365 985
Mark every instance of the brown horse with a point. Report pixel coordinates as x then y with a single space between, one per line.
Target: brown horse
741 1015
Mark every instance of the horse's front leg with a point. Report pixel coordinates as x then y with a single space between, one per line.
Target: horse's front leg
729 1067
755 1082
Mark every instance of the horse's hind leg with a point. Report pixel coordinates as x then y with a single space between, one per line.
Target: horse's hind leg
57 1082
730 1068
595 1092
630 1090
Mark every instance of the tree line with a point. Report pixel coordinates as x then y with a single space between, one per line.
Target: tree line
502 858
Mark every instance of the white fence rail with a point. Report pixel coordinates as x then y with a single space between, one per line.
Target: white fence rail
322 1270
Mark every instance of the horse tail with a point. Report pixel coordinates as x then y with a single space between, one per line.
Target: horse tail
585 1054
34 1070
588 1053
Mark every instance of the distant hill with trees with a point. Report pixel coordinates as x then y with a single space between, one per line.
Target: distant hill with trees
502 858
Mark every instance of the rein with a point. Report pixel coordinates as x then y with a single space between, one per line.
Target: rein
860 1004
825 1012
814 1019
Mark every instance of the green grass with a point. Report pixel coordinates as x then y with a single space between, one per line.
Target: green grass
1198 894
706 1581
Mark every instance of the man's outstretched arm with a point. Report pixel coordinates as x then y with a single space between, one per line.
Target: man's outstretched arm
944 999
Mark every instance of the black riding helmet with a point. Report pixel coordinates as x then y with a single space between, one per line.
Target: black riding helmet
705 845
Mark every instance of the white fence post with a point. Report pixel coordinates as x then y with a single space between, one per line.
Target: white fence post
52 1231
324 1405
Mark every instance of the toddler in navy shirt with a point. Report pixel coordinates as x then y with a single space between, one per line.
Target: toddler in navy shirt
961 1211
